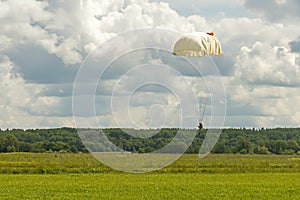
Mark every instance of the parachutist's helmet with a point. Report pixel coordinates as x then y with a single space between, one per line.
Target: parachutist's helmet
211 33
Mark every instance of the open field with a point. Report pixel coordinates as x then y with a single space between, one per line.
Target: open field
80 176
151 186
53 163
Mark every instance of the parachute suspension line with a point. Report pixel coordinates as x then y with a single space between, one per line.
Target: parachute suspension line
200 125
203 111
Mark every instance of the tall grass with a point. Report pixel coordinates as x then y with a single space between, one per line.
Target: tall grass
55 163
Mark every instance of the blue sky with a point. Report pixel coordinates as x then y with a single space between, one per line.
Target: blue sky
210 9
43 45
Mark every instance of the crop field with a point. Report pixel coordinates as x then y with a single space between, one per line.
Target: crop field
80 176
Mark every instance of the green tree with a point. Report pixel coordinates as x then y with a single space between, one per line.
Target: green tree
278 146
9 143
293 145
261 150
220 148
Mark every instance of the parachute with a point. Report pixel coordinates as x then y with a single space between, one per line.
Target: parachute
197 44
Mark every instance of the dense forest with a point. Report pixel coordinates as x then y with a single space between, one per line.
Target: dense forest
235 141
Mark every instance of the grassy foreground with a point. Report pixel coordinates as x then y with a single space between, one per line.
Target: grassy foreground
80 176
151 186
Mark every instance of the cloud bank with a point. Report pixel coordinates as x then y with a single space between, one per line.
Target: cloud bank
43 43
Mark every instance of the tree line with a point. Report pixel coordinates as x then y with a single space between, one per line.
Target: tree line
233 141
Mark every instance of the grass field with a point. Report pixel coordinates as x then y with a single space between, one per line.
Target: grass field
54 163
80 176
151 186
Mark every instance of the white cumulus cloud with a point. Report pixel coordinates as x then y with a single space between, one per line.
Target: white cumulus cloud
260 63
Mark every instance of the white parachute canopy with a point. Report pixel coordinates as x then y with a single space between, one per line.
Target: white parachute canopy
197 44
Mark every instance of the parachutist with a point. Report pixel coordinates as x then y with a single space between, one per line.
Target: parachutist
200 126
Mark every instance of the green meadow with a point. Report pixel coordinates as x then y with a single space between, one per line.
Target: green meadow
58 163
80 176
151 186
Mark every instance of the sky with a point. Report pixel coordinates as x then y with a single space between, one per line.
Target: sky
46 45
